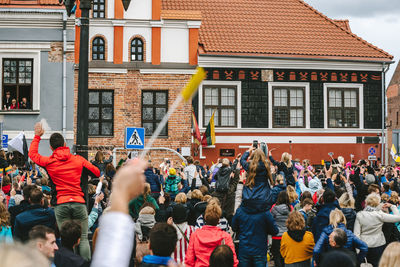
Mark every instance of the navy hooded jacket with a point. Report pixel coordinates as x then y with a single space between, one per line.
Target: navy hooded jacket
253 228
321 220
353 242
153 180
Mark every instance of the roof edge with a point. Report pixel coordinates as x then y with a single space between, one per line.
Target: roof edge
348 32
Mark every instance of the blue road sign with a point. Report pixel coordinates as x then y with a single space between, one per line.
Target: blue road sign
4 141
371 151
134 138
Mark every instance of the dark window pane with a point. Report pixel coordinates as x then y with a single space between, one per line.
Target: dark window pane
106 113
147 114
94 113
93 128
160 112
106 98
161 98
106 128
147 98
94 98
148 126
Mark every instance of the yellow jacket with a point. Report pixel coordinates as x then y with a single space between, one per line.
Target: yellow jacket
293 251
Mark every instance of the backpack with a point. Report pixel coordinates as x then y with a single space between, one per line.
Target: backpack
224 176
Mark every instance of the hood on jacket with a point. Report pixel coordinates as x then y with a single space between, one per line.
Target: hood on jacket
210 236
256 198
62 153
297 235
225 170
313 185
282 209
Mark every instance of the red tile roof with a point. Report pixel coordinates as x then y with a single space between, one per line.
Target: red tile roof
344 23
274 28
180 14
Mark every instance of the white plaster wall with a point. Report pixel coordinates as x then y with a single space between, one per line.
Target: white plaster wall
174 45
138 9
108 33
131 31
110 9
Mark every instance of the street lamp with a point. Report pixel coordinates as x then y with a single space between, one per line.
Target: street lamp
83 78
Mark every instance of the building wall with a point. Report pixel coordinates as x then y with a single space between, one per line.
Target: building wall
127 108
38 35
316 139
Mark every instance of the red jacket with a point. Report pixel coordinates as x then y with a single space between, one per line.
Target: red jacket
64 171
203 242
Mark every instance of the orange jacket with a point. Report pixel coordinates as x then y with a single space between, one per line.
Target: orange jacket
64 170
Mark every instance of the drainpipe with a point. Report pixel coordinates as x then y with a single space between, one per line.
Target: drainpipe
383 150
64 82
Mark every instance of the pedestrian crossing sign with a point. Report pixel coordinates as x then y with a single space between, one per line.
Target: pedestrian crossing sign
134 138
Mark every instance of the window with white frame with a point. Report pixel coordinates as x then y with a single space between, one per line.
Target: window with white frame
343 108
222 101
17 83
288 108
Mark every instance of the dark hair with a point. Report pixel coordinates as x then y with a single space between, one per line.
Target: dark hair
189 160
340 237
36 196
222 256
56 140
70 233
27 191
39 232
283 198
328 196
304 195
306 201
163 239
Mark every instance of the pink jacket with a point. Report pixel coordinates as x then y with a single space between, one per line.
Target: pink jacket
202 243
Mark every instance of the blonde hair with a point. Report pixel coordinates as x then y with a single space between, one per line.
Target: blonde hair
341 160
373 200
196 194
4 216
394 197
206 198
385 197
213 213
257 156
181 198
295 221
146 191
287 159
291 193
335 217
346 201
391 255
147 210
225 162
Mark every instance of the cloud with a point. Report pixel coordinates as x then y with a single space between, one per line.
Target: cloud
355 8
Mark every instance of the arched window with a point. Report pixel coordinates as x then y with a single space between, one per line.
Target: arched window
137 49
98 49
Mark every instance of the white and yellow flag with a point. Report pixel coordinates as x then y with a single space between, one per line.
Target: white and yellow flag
393 152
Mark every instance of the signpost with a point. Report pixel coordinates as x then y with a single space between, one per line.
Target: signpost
134 138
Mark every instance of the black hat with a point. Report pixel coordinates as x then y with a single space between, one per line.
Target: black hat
179 213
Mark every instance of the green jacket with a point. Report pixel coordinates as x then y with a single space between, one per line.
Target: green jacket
137 203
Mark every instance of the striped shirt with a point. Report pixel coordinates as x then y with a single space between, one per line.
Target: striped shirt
223 223
182 244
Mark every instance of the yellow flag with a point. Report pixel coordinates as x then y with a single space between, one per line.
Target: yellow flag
193 84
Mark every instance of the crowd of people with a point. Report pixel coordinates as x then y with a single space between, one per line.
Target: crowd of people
251 211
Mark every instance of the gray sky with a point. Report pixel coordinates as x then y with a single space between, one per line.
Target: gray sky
376 21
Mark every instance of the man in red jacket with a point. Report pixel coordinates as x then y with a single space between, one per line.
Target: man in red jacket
65 170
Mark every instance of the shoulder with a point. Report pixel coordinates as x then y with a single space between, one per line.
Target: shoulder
308 235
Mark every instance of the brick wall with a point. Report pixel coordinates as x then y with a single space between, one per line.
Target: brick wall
56 53
127 108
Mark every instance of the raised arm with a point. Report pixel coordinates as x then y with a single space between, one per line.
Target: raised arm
34 148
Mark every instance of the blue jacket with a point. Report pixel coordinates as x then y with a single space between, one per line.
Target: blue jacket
353 242
321 220
261 196
253 228
34 215
153 180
